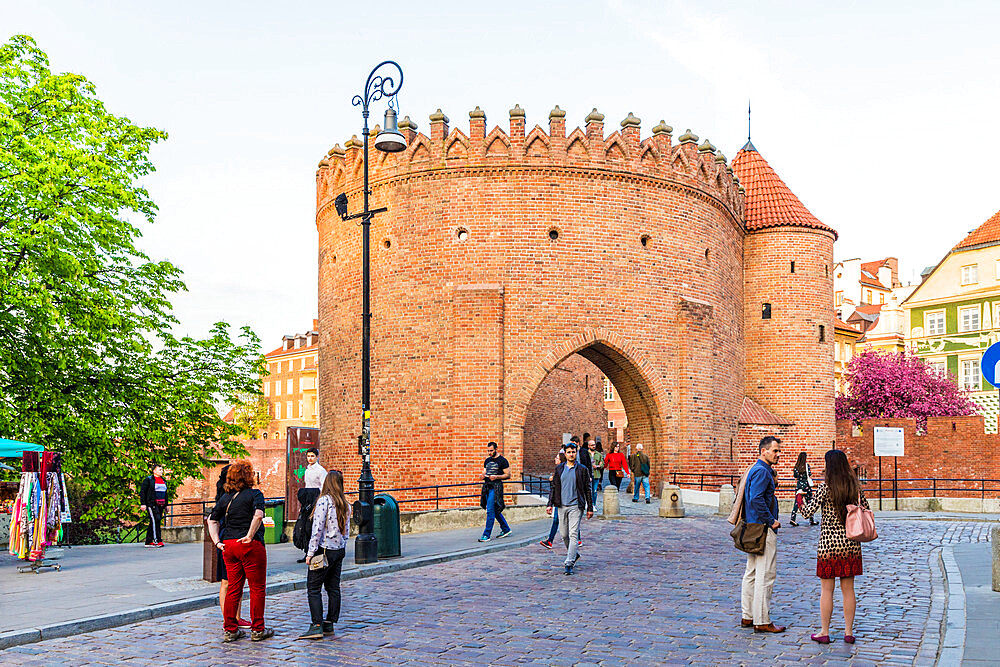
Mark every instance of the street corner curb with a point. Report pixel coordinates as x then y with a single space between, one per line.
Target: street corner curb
15 638
953 641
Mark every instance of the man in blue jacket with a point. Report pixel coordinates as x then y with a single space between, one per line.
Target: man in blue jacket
762 507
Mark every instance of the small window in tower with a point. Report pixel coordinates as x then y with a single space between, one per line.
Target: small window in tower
765 312
822 333
826 270
793 267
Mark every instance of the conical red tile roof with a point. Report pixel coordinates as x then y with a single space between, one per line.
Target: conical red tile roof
986 233
769 202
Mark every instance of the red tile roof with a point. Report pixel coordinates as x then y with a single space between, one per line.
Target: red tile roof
230 416
769 202
988 232
871 282
281 350
844 326
753 413
870 308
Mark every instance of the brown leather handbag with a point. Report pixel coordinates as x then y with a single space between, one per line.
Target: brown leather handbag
750 538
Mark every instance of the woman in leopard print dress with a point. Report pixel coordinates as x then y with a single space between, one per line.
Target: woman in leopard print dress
836 555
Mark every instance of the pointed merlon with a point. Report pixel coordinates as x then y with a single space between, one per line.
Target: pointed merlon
631 121
594 116
742 190
477 113
336 151
374 131
353 142
662 128
323 163
438 117
706 147
517 112
688 137
720 158
557 113
407 124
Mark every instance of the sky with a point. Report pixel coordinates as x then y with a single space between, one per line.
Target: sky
879 116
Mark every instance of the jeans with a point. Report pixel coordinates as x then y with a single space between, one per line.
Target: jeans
245 562
328 578
569 526
155 513
595 482
644 481
555 525
492 514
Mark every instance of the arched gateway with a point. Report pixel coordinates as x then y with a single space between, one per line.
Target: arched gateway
502 254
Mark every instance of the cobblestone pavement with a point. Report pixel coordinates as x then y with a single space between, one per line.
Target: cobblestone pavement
647 591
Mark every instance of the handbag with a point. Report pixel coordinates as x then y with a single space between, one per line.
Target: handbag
319 564
860 523
749 538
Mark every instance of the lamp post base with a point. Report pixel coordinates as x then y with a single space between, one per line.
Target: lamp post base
365 549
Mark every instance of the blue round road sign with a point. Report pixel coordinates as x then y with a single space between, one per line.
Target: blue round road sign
990 365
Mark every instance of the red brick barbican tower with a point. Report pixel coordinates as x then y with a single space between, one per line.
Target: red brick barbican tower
788 296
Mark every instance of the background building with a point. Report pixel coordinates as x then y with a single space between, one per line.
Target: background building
954 314
845 338
291 386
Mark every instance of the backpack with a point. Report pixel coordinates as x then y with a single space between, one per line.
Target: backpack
302 532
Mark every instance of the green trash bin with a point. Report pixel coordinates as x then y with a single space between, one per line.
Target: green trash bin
274 521
387 526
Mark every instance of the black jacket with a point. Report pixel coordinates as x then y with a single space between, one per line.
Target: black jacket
583 456
583 488
147 492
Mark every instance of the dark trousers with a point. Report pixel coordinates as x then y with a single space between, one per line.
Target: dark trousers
615 479
328 578
245 562
155 513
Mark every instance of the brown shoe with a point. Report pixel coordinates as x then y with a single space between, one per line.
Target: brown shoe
746 622
770 627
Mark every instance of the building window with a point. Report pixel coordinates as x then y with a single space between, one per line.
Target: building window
970 375
934 323
822 333
609 390
793 268
264 435
938 365
998 269
277 387
968 319
611 424
267 388
996 315
288 387
288 410
881 297
838 298
970 274
277 436
868 296
765 311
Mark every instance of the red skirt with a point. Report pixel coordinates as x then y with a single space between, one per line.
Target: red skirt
831 567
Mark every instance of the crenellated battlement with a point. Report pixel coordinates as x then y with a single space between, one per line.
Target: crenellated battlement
623 152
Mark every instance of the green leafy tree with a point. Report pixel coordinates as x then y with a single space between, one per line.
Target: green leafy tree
89 365
252 415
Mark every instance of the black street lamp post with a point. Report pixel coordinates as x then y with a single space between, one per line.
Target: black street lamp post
389 140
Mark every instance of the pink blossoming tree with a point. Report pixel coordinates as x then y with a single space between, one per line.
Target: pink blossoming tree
898 384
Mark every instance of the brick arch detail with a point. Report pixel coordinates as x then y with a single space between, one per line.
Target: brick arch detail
623 364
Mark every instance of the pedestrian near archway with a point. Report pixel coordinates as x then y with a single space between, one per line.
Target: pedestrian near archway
616 465
803 487
639 464
153 496
495 470
327 546
569 495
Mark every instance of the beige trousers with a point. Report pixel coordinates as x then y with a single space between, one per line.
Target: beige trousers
758 580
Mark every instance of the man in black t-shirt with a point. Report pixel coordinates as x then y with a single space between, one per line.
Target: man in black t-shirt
495 470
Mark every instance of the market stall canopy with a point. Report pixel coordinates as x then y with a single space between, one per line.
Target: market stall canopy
10 448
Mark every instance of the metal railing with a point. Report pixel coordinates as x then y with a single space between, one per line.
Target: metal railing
529 485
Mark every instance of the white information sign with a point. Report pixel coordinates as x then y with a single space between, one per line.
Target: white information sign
566 437
888 441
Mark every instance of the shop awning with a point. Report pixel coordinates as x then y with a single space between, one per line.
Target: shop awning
9 448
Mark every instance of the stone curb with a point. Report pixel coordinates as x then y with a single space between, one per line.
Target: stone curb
105 621
953 642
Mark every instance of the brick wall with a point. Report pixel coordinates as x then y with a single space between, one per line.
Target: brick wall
569 400
475 304
952 447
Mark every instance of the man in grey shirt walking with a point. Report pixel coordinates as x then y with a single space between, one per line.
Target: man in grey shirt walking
570 494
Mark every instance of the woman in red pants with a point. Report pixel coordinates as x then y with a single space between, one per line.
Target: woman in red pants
242 546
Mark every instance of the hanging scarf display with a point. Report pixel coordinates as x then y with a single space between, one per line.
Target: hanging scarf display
40 507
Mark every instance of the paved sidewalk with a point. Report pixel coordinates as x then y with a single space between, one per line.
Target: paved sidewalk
97 581
982 603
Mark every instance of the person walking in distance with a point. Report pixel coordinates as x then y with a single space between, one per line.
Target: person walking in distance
639 464
836 556
803 487
583 454
547 543
569 495
331 519
762 507
597 461
495 470
312 482
153 496
616 465
242 545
